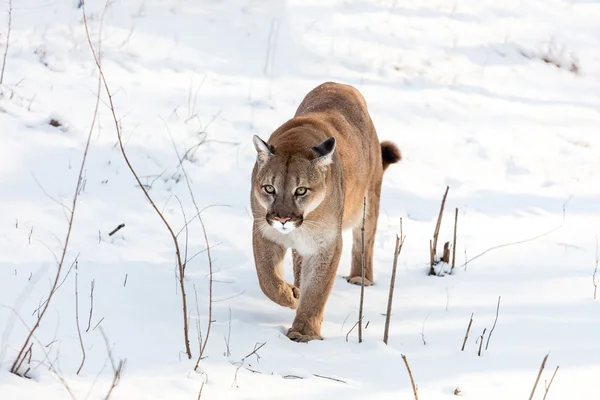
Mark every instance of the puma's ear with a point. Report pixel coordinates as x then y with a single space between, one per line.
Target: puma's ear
325 151
263 149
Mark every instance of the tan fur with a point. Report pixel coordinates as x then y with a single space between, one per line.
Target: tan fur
338 174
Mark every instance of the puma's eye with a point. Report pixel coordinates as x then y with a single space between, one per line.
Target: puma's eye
301 191
269 189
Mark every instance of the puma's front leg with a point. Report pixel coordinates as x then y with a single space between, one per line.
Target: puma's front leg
318 274
268 257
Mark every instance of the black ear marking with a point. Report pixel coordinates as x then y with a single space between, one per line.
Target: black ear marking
326 147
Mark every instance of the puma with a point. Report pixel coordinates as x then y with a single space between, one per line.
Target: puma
308 184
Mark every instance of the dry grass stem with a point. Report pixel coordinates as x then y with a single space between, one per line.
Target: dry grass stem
547 387
362 282
77 322
538 376
412 381
454 239
388 314
480 339
467 333
493 326
438 224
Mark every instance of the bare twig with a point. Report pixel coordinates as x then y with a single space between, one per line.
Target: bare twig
423 330
63 255
481 341
241 363
92 284
328 377
351 329
521 241
200 391
228 338
454 239
538 377
117 229
397 250
208 254
362 282
467 333
126 158
438 224
77 322
412 381
493 326
547 387
7 41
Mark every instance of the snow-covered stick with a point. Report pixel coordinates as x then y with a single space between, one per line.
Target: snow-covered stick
538 377
7 41
412 381
454 239
397 250
139 182
493 326
467 333
362 282
547 387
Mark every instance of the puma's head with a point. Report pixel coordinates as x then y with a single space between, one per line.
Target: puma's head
289 186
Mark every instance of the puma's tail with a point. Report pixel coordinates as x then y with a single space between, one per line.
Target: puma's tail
390 153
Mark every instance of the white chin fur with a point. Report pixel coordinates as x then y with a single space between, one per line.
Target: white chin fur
284 229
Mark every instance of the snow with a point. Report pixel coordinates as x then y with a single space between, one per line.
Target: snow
514 137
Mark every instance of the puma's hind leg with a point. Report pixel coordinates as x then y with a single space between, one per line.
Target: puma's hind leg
370 228
297 260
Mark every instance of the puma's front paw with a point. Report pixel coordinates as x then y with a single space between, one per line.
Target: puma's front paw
300 338
356 280
304 332
288 296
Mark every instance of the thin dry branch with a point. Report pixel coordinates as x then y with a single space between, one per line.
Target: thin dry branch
142 187
547 387
467 333
493 326
481 341
7 41
92 284
412 381
208 247
538 376
351 329
521 241
454 239
388 314
77 321
63 255
51 366
362 281
438 224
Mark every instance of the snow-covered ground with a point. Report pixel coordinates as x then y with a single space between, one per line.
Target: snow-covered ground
459 85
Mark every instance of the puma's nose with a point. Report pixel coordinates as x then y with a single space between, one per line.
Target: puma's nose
283 220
